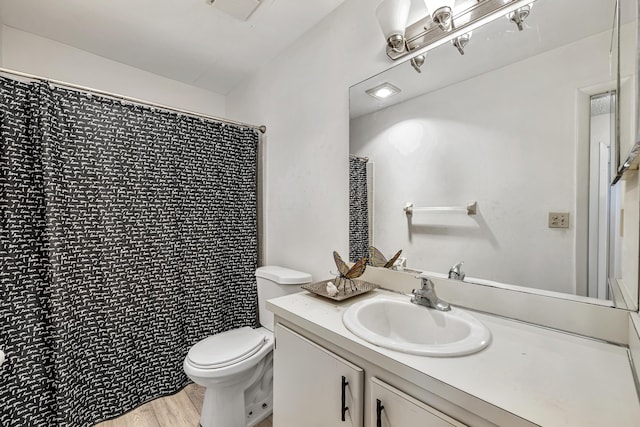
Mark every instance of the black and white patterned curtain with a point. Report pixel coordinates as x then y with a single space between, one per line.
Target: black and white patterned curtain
128 234
358 208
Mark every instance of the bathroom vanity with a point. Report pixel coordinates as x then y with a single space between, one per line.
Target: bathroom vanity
528 375
456 135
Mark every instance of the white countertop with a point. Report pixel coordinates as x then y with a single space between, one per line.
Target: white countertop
544 376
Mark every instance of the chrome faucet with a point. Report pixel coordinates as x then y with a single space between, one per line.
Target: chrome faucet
426 295
456 272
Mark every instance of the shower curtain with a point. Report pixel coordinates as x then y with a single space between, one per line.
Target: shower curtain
358 209
128 234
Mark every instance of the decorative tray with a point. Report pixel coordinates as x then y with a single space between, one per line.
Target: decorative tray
346 288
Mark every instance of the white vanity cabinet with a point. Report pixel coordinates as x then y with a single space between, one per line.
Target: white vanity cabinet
528 376
392 408
313 387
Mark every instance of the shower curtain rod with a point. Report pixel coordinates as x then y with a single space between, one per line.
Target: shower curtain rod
260 128
366 159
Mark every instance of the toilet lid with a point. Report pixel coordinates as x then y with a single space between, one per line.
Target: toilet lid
226 348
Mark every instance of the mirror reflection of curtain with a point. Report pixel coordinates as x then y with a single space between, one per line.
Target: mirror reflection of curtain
358 208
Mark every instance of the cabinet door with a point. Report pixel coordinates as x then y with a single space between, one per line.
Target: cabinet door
313 387
392 408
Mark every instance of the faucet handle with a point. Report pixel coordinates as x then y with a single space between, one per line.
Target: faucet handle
424 276
426 285
426 279
456 272
426 295
418 292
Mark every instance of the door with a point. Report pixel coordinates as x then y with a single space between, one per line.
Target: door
601 133
391 407
313 387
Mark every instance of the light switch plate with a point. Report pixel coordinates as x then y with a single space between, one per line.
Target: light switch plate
558 219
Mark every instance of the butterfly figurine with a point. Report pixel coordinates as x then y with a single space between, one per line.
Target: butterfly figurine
349 273
376 258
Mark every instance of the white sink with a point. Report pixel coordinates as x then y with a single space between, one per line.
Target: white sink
414 329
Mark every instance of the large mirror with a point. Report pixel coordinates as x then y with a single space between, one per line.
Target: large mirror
530 126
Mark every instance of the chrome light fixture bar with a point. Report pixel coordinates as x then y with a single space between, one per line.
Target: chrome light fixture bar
427 34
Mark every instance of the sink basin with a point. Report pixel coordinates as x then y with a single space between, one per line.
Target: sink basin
414 329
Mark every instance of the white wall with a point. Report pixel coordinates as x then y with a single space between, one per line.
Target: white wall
303 98
36 55
506 139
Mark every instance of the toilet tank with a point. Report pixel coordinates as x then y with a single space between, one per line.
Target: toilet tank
274 281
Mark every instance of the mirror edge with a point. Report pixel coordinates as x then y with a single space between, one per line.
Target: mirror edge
633 157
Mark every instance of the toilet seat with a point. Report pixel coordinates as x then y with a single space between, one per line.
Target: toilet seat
241 364
226 348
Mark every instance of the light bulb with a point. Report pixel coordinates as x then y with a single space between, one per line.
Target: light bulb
392 18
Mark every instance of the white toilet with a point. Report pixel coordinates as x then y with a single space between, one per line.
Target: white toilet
236 366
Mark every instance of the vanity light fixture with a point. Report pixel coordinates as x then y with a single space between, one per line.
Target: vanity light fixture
519 15
441 12
383 91
447 20
417 62
461 41
392 18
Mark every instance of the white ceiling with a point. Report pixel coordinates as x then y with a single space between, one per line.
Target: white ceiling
185 40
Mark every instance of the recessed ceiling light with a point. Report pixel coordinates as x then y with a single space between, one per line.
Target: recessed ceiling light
385 90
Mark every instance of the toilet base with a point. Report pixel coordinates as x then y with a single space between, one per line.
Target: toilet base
240 405
259 412
259 396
